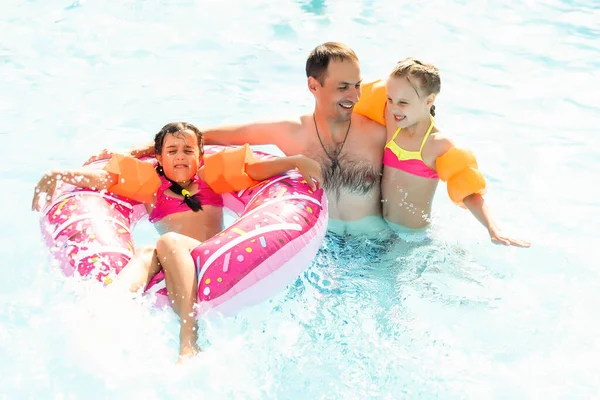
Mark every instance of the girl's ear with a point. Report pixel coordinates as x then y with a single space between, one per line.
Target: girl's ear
430 100
159 159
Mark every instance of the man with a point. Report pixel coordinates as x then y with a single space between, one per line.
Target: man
348 146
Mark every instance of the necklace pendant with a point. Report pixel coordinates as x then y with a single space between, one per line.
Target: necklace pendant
334 165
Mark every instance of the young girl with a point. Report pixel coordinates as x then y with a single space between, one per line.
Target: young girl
417 155
183 204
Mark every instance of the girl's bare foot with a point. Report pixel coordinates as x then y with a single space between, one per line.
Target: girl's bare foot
188 338
187 352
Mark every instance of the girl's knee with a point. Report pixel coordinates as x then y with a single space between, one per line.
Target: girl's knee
144 251
169 241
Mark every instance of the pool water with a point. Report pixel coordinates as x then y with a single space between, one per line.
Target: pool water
451 316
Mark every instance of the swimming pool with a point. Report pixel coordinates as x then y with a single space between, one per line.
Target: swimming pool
452 317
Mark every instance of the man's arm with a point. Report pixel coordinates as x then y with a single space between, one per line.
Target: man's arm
280 133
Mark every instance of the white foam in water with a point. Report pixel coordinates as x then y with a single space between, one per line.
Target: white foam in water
453 317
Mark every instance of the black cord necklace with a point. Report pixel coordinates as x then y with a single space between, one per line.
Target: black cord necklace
334 159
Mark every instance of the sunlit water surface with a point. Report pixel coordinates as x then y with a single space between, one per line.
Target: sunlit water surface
450 317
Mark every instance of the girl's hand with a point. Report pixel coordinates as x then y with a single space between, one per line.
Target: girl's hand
309 169
47 186
499 238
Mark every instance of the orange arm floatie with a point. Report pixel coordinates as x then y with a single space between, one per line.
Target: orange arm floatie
136 180
225 171
459 169
372 101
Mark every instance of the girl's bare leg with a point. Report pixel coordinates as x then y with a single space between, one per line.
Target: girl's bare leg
173 251
138 272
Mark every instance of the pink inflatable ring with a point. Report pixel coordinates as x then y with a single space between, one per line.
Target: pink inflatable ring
279 228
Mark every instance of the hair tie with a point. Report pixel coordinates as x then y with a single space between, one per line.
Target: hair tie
192 201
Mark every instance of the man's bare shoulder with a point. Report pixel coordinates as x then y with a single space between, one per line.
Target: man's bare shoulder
369 127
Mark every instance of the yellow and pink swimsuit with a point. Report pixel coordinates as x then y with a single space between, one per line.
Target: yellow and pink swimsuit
412 162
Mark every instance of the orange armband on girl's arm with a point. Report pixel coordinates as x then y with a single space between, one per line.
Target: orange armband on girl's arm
459 169
136 180
225 171
372 101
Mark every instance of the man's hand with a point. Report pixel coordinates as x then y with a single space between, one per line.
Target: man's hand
106 154
145 150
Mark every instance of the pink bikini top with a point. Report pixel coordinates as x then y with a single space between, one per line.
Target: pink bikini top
166 205
412 162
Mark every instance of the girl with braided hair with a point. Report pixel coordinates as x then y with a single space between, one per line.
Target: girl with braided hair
417 155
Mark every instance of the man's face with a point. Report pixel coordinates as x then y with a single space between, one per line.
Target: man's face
340 90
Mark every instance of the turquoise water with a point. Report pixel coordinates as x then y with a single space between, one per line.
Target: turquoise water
454 317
